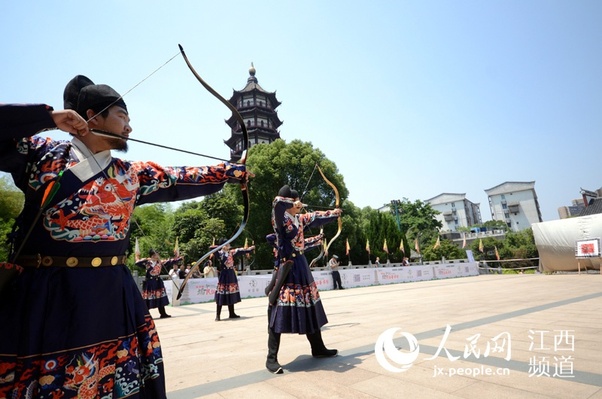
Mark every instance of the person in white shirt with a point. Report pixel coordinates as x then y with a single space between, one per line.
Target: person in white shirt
333 263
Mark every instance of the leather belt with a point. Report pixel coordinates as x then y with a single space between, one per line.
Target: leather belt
70 261
293 255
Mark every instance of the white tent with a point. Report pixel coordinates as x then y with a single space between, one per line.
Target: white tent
556 242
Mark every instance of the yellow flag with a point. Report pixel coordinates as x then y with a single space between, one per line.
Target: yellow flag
481 248
347 248
438 243
137 249
464 240
416 245
176 249
497 254
367 245
401 247
385 248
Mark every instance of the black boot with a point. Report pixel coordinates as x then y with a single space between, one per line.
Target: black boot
273 345
218 312
318 349
231 311
162 312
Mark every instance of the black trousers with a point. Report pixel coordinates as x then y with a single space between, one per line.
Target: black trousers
336 278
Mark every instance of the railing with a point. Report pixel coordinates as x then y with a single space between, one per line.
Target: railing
514 265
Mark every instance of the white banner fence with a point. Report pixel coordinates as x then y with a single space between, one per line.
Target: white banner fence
253 285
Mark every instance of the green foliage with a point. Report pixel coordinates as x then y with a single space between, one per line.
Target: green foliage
11 203
418 221
151 225
378 227
515 250
446 249
495 225
11 199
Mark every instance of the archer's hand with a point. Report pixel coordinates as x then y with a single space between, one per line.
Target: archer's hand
238 173
337 211
70 121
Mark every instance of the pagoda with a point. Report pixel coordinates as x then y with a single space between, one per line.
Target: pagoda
258 109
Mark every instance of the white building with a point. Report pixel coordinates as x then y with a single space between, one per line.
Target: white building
456 211
514 203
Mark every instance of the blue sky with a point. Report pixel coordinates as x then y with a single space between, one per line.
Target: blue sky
408 98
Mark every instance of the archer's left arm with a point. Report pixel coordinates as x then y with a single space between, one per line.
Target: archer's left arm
319 218
161 184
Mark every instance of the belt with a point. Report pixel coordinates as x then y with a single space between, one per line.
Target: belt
293 255
71 261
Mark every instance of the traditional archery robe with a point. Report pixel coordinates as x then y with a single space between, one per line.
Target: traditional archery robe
299 308
81 332
228 292
153 288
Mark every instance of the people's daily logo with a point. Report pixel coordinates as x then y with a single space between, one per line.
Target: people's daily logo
390 357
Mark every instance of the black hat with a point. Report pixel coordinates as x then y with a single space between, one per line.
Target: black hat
285 191
271 238
151 252
81 94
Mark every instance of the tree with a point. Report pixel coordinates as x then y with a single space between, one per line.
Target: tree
151 224
418 221
447 249
378 227
11 203
197 228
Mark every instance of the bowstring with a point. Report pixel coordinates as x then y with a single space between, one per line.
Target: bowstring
136 85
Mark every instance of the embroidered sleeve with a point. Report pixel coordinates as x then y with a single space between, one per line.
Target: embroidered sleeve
237 251
158 183
23 120
313 242
172 261
19 150
316 219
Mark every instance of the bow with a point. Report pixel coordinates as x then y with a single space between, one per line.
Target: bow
322 249
243 160
337 202
326 246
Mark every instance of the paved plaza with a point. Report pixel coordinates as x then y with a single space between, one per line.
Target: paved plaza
509 336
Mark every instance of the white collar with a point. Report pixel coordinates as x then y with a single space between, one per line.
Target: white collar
89 164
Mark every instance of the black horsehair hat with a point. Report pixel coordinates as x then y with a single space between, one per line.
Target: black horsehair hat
287 192
81 94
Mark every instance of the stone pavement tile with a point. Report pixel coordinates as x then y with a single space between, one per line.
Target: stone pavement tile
482 389
256 391
423 374
597 395
389 387
318 383
523 382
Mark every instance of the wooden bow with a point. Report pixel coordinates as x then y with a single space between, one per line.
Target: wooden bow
243 185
